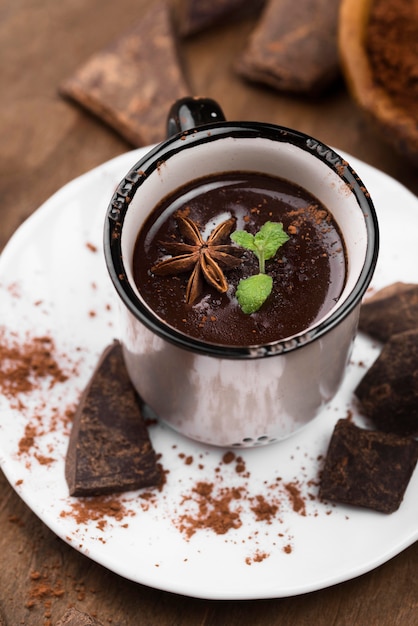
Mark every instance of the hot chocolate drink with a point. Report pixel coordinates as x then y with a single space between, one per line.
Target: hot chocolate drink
188 268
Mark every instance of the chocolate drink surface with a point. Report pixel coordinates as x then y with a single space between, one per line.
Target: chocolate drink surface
308 270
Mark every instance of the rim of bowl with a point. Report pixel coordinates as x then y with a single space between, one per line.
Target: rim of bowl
130 183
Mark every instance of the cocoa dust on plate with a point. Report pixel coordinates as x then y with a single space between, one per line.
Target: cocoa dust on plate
217 501
27 365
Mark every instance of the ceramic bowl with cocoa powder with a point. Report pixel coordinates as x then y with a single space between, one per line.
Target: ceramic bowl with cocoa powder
378 42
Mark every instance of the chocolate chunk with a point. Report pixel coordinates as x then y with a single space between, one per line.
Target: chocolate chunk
73 617
391 310
367 468
388 392
294 46
132 83
110 449
194 16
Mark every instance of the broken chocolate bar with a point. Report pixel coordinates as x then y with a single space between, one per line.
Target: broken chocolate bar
132 83
194 16
388 392
73 617
391 310
367 468
294 46
110 449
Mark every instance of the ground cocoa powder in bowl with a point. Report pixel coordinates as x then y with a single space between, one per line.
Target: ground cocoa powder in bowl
392 46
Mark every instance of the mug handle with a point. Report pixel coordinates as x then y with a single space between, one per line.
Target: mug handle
189 113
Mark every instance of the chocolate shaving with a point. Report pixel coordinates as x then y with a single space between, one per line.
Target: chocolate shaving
294 46
193 16
367 468
388 392
110 449
389 311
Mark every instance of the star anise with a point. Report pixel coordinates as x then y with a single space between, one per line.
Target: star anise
204 259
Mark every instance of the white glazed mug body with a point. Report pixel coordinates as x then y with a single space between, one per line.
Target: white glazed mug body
241 402
239 395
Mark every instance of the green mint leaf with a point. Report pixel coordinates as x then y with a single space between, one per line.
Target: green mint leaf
269 239
252 292
244 239
265 243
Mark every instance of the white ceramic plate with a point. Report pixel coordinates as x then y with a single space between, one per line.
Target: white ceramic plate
53 281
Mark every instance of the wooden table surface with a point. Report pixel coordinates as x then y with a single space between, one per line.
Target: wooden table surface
45 142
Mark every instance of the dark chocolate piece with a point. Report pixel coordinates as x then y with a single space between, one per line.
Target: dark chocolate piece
294 46
388 392
194 16
110 449
132 83
367 468
73 617
391 310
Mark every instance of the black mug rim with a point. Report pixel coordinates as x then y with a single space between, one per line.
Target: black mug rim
129 185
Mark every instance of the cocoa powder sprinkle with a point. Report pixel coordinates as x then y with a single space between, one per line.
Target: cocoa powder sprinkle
298 502
32 363
28 365
99 509
22 364
215 513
